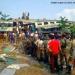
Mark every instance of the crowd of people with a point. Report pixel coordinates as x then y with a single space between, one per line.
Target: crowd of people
56 51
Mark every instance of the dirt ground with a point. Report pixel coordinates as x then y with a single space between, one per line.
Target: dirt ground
34 69
31 71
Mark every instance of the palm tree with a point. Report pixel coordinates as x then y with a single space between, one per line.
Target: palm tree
4 16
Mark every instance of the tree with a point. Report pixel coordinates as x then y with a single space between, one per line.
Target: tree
27 17
23 15
4 16
9 19
72 30
63 24
0 12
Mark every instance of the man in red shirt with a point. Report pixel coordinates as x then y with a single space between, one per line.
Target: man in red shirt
54 48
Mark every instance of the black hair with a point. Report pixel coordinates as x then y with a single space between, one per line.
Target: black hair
56 37
51 36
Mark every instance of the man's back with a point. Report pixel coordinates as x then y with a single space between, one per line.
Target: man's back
54 45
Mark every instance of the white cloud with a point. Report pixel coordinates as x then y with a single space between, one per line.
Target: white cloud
68 13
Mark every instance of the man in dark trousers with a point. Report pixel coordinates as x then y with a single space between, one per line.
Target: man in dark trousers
54 48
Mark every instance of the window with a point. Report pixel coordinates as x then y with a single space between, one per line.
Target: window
14 24
57 22
39 23
45 23
32 27
9 25
52 22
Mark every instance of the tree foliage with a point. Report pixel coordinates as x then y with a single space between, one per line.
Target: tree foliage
72 30
25 15
4 16
66 27
63 24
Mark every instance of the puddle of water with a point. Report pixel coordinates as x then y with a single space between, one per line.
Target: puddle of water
6 50
10 61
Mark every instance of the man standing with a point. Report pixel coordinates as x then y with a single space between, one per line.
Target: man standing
54 50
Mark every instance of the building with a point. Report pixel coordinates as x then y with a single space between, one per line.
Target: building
43 26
